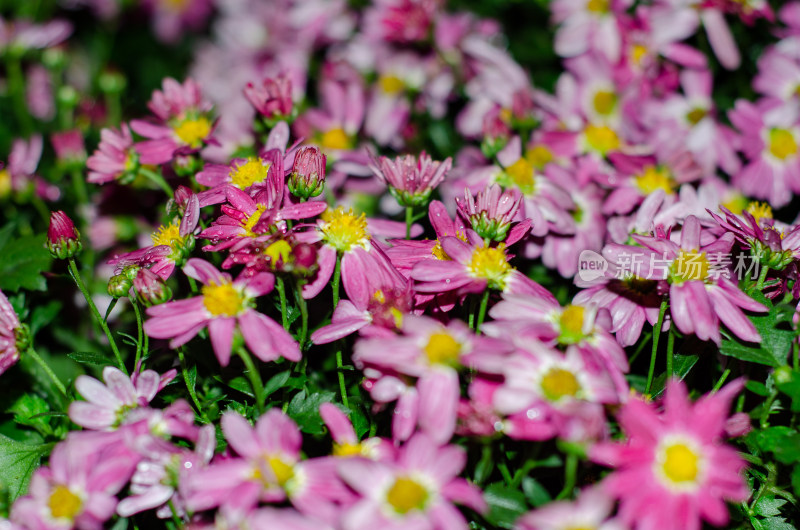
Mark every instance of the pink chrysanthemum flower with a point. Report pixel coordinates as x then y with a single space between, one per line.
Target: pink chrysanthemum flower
433 353
336 124
771 143
410 180
77 488
272 98
172 17
224 306
107 405
184 122
19 175
250 175
378 298
24 35
11 332
345 442
591 510
114 158
269 469
589 25
699 293
415 491
674 471
492 212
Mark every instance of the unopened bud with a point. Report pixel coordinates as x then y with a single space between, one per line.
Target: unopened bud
119 285
63 239
150 288
308 173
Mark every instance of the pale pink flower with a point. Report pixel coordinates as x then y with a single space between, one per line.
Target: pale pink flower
114 158
10 334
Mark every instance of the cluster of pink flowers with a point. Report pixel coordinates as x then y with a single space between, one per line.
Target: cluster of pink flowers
428 306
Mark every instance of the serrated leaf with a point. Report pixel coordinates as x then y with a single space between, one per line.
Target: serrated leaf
776 523
782 441
505 504
18 462
747 353
24 260
89 357
769 506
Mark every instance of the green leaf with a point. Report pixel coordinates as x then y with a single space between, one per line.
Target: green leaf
782 441
505 504
276 382
32 410
24 260
796 480
681 365
18 462
535 492
43 315
769 506
756 387
776 523
304 410
239 383
89 357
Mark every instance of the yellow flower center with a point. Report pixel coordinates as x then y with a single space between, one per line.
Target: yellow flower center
283 472
602 138
391 84
759 210
597 6
407 494
571 324
253 220
539 156
5 183
695 115
442 348
347 450
655 178
680 464
604 102
490 264
335 139
168 235
279 251
192 132
222 299
64 504
521 175
782 143
558 383
175 5
250 172
439 252
638 52
690 266
736 204
343 229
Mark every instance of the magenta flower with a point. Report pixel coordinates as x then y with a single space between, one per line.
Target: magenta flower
345 442
700 295
251 175
69 146
11 333
20 173
107 405
272 98
591 509
77 489
411 181
492 211
335 125
308 173
184 122
378 298
269 469
415 491
114 158
224 306
674 471
432 353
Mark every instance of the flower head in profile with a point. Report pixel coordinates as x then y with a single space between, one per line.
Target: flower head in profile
114 158
63 239
13 335
409 179
674 469
492 211
272 98
224 306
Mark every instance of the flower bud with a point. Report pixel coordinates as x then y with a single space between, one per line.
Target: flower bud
119 285
491 212
273 99
308 173
63 239
150 288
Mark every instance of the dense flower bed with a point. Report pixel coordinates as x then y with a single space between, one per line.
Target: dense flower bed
338 266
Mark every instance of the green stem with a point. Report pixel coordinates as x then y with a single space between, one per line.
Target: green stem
73 269
49 371
409 220
656 335
337 275
281 288
570 472
796 354
482 310
762 276
79 186
340 373
16 89
764 420
301 302
139 334
721 380
157 179
670 355
254 376
190 387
